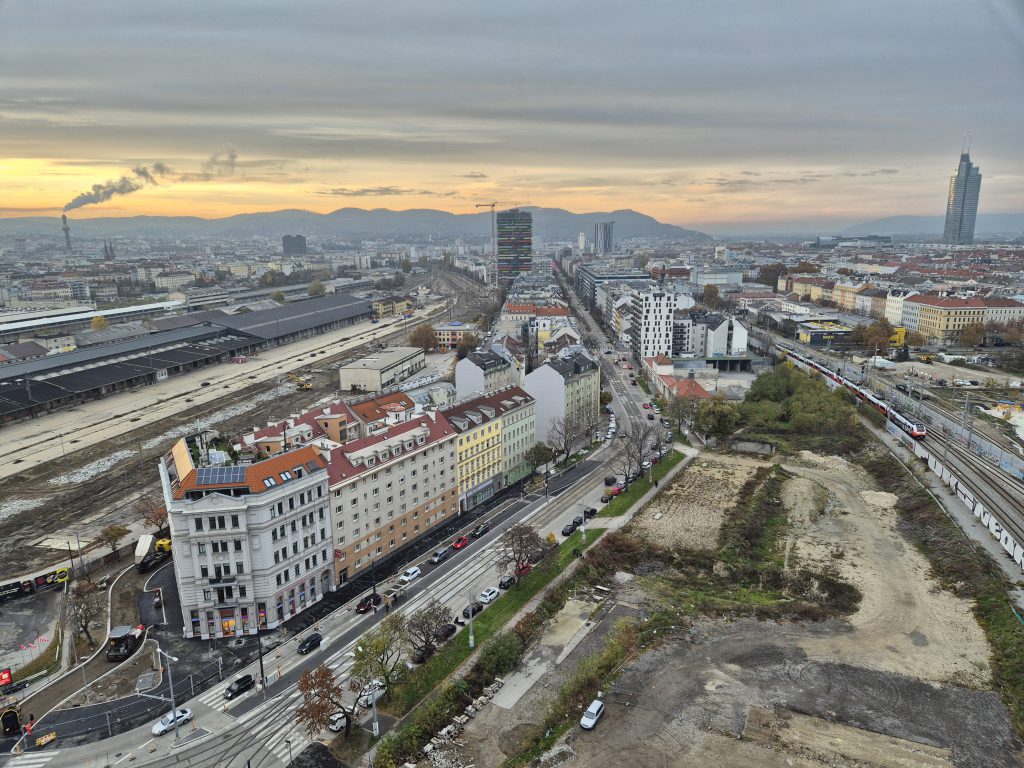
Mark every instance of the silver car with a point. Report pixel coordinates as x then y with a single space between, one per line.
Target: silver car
592 715
167 722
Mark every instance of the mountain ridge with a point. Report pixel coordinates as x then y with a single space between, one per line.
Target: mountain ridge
550 223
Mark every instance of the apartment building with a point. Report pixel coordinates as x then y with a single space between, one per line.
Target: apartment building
942 319
389 488
253 544
894 305
450 334
483 371
566 388
651 324
480 424
845 294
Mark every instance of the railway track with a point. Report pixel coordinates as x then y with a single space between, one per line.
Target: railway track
1004 497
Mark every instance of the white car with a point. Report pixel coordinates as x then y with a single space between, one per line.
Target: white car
409 574
489 595
167 722
646 465
338 722
592 715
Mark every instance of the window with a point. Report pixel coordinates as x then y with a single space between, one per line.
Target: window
239 566
241 591
207 595
204 572
234 521
278 577
199 523
201 547
238 545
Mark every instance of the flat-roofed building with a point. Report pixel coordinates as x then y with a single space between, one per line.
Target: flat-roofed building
381 370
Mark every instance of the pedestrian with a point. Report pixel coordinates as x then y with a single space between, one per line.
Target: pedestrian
375 610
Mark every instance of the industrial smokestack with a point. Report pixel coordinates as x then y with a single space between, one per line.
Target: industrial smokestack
67 234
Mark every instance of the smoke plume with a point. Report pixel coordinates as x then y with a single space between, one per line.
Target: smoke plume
220 164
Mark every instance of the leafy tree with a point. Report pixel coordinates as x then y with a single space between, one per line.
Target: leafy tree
517 547
87 602
769 274
152 513
877 336
539 455
423 337
606 397
717 417
426 627
112 536
804 267
681 411
467 344
99 323
316 288
406 265
972 334
915 339
381 652
710 298
321 698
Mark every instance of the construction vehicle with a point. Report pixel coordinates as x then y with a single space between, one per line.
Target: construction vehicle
300 381
122 641
151 551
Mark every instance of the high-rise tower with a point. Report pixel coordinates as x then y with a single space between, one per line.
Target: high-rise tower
515 243
603 242
962 206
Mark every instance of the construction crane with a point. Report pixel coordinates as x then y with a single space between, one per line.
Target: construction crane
494 237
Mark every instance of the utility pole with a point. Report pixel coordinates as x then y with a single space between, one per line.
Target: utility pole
469 595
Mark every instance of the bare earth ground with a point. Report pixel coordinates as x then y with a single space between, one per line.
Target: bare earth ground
896 685
689 512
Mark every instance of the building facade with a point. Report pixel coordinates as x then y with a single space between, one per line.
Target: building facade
962 203
604 242
481 372
450 334
382 370
515 243
894 305
253 544
566 389
651 324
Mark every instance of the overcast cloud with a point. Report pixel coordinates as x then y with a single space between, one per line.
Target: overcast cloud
701 114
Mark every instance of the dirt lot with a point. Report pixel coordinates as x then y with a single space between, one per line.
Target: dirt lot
688 513
899 684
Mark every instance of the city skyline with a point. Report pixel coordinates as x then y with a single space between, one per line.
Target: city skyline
767 118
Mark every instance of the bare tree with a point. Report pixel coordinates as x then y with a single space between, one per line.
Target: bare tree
380 654
321 698
638 443
518 546
425 628
112 536
563 434
86 607
152 512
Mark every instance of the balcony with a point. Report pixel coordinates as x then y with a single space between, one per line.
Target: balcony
222 580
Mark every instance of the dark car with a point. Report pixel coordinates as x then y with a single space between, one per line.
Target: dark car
421 655
610 480
447 631
590 512
477 607
605 499
239 686
311 643
569 529
366 604
650 416
507 582
578 520
480 530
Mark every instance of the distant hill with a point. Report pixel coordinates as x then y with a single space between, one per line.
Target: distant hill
356 223
987 224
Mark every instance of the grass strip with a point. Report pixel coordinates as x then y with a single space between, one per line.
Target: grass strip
620 504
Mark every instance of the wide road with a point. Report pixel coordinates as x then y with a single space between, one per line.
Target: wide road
54 435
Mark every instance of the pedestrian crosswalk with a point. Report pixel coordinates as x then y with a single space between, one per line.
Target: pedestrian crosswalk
34 759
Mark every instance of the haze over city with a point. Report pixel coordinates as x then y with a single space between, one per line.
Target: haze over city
791 117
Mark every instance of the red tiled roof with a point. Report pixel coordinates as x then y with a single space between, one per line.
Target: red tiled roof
340 468
305 457
379 407
684 387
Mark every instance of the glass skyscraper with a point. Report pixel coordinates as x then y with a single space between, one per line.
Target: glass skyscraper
515 243
962 207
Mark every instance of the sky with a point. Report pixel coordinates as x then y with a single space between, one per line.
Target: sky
741 115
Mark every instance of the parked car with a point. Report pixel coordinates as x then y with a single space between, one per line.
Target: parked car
366 604
239 686
666 423
523 569
371 692
507 582
477 607
447 631
646 465
480 530
590 512
647 405
578 520
614 491
611 480
409 574
421 655
338 722
311 643
569 529
606 498
592 715
438 556
489 595
461 542
650 417
166 723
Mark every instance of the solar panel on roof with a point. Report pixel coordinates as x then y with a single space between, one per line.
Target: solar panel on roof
220 475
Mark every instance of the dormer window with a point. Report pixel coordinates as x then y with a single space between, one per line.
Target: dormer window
370 461
286 475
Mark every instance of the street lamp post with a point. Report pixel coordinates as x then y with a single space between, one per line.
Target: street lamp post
170 682
289 743
469 595
373 705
